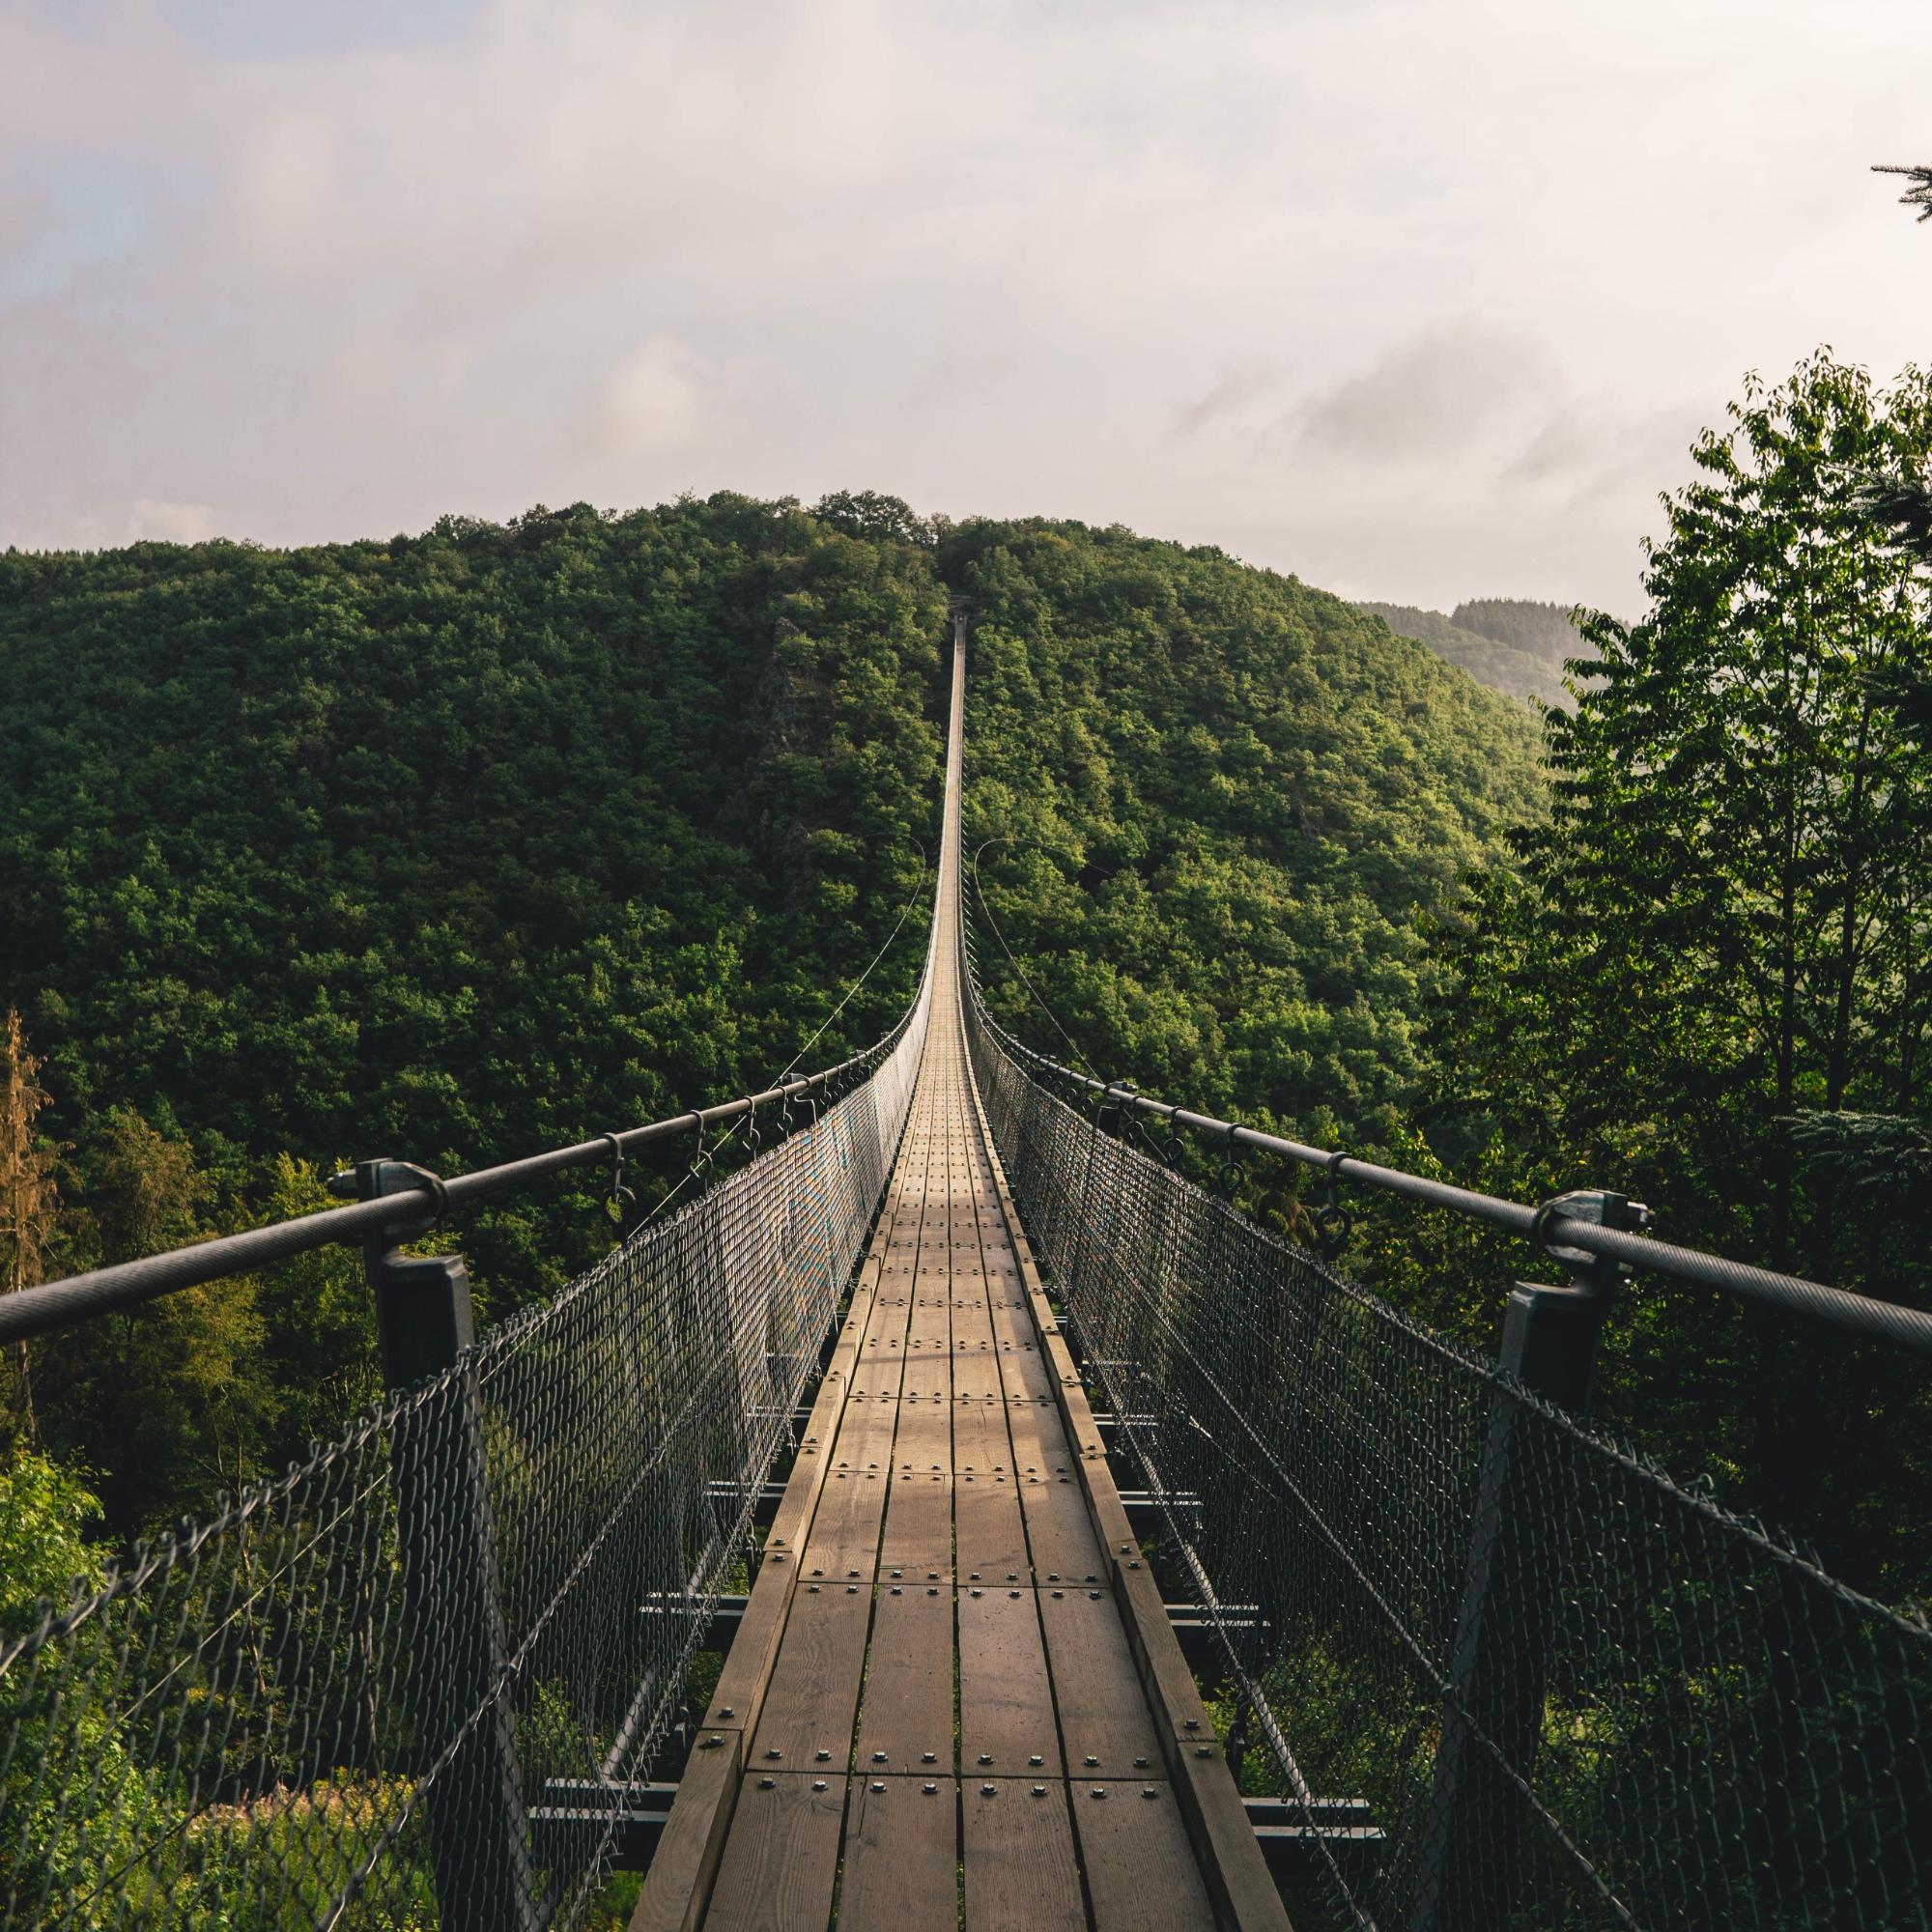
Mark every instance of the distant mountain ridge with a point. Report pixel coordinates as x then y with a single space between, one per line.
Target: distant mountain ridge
1513 644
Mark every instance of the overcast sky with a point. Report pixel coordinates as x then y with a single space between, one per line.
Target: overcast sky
1421 299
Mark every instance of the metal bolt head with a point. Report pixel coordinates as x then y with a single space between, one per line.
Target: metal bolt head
774 1752
818 1785
766 1783
1191 1724
824 1757
987 1790
878 1757
878 1787
1099 1791
726 1711
1039 1791
929 1789
1147 1791
1035 1759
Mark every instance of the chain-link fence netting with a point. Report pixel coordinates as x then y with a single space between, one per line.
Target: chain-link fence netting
1509 1674
417 1681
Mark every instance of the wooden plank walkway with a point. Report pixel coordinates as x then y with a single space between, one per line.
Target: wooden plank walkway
955 1699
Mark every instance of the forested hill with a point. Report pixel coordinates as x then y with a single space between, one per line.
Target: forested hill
1226 810
456 846
1510 644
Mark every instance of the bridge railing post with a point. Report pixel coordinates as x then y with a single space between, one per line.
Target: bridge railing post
1471 1865
452 1589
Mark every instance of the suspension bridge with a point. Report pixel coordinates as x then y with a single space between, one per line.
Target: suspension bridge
1080 1554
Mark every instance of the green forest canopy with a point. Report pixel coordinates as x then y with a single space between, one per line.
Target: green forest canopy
458 845
1510 644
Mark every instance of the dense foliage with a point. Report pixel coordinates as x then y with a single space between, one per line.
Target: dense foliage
1223 810
1699 978
1706 980
449 847
1508 644
457 845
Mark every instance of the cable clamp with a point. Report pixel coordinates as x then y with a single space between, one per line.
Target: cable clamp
372 1180
1598 1206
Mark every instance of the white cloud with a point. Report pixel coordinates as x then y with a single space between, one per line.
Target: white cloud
154 521
651 400
1494 259
1447 390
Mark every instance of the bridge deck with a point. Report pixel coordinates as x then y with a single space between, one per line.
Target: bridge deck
955 1698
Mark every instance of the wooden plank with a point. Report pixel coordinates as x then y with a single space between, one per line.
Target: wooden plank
685 1864
1060 1533
813 1696
982 1444
924 1444
844 1537
1018 1854
906 1717
977 1379
1139 1866
865 1431
782 1860
1105 1726
988 1530
929 1382
902 1867
917 1546
1024 1373
1006 1699
1039 1438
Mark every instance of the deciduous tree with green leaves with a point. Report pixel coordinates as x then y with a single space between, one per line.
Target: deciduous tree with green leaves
29 1203
1708 981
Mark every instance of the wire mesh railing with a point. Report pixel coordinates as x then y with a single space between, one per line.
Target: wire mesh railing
1566 1689
417 1682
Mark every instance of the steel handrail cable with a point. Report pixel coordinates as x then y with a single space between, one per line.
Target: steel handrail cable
1884 1321
58 1304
